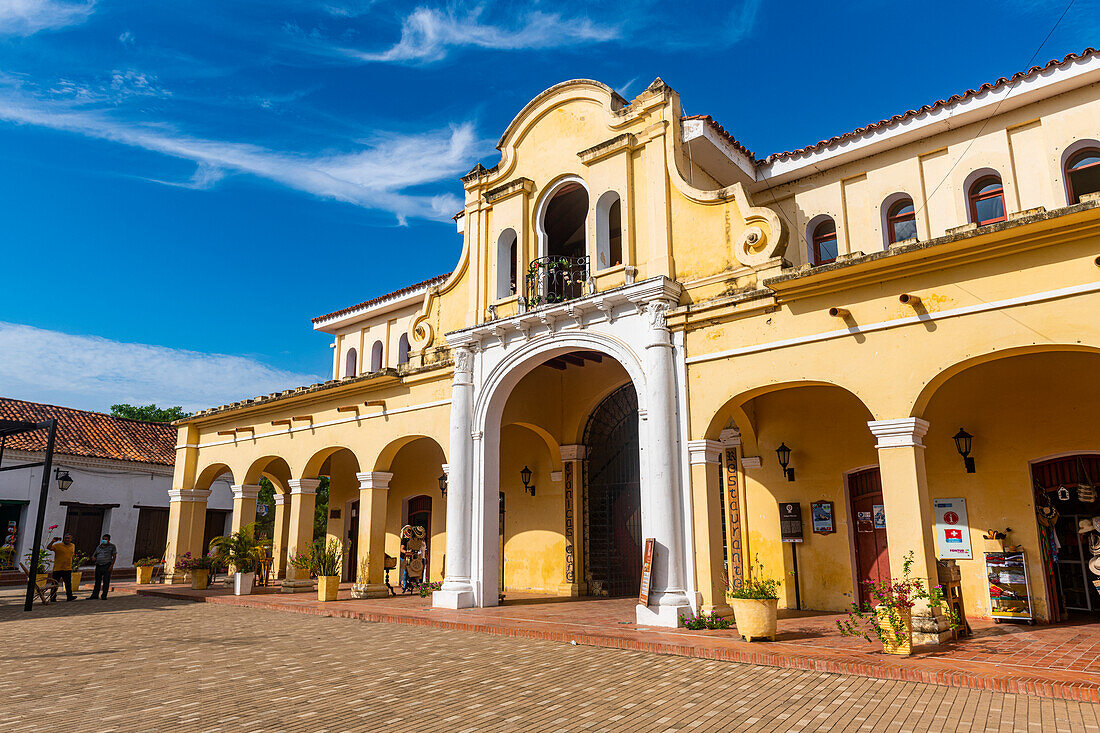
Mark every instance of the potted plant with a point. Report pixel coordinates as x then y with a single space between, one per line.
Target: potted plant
756 604
7 553
323 559
36 562
361 584
144 568
79 561
243 551
889 615
197 567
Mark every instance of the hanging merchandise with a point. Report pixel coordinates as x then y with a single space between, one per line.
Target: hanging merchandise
1085 525
1086 493
1048 516
1063 494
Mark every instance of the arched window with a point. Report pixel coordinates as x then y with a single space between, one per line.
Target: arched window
901 221
349 363
609 231
987 201
507 254
376 356
823 242
1083 174
564 221
403 349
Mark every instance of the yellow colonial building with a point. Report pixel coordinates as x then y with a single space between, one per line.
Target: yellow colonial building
651 333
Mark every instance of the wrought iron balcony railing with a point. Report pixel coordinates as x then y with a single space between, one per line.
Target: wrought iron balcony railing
556 279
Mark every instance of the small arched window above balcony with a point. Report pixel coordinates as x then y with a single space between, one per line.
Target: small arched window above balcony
901 221
376 356
1083 174
987 201
609 231
823 246
350 363
507 256
403 349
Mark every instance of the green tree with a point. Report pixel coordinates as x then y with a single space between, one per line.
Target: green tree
149 413
320 514
265 525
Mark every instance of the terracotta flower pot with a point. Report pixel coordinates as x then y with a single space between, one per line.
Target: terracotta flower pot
755 618
327 587
891 644
200 579
145 575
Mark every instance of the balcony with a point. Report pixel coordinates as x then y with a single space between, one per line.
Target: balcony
556 279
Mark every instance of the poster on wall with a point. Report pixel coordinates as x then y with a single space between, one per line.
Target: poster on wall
880 515
952 530
864 523
647 572
822 514
790 521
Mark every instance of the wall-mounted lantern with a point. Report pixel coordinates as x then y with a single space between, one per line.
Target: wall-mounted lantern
525 474
442 484
64 480
963 442
784 454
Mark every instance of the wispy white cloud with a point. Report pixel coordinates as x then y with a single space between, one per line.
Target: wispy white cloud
429 34
378 175
27 17
93 372
126 38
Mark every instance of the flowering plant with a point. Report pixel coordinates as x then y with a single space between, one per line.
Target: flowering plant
758 586
148 562
426 589
705 621
186 562
887 616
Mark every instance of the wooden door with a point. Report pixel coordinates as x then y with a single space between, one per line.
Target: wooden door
420 515
215 527
152 532
351 572
85 524
869 521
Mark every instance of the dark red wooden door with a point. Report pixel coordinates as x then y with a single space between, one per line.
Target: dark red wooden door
869 518
351 571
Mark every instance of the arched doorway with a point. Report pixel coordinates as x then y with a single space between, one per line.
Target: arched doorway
612 500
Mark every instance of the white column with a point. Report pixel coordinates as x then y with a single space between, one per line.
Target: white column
667 597
458 591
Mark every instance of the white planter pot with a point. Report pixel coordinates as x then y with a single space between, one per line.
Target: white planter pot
242 583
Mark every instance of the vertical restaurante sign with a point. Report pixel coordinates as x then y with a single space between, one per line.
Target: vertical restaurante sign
647 572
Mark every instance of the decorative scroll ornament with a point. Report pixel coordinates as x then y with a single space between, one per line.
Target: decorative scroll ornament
464 360
655 313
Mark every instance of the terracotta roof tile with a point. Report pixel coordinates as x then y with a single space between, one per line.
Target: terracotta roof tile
92 434
938 104
375 301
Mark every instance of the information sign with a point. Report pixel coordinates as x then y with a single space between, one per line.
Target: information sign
647 572
821 516
790 521
952 529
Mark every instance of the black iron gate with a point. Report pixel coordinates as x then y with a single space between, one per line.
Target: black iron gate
612 498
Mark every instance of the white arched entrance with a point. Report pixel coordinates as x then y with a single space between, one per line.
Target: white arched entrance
627 325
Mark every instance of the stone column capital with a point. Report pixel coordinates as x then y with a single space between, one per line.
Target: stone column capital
374 480
304 485
703 451
279 499
575 452
245 491
188 494
905 432
730 437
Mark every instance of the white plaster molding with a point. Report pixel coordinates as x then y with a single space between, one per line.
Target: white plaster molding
374 480
751 461
905 432
188 494
280 499
575 452
556 477
245 491
703 451
304 485
730 437
447 470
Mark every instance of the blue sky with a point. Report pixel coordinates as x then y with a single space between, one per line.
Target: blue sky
185 184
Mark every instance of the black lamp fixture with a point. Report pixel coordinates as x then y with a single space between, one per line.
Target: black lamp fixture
443 484
784 454
525 474
963 443
64 480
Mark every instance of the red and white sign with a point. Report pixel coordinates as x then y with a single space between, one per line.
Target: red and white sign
952 531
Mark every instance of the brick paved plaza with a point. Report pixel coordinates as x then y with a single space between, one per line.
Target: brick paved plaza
139 663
